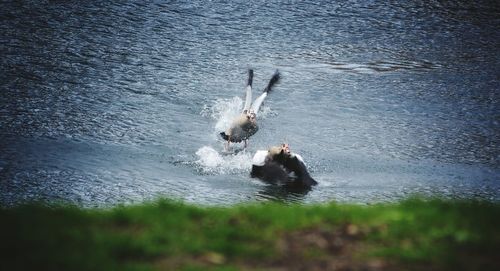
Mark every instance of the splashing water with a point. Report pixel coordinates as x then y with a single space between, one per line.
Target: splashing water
212 162
224 111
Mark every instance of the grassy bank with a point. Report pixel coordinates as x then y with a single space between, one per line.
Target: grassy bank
411 235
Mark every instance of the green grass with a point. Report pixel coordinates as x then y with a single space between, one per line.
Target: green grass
414 234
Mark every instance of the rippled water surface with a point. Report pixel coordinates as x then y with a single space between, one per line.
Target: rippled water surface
106 103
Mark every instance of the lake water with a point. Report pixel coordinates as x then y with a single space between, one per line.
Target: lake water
108 103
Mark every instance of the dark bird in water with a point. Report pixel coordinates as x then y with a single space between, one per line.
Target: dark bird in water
280 166
245 125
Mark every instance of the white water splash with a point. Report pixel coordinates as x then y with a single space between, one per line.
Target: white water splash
225 110
211 161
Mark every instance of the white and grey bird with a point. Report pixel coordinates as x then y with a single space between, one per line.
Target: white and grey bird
245 125
279 165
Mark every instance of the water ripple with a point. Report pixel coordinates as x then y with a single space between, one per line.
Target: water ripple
382 99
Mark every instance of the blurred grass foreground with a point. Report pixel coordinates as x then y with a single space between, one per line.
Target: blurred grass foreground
415 234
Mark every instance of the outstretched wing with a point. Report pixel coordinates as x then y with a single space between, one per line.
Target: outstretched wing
248 98
258 102
296 165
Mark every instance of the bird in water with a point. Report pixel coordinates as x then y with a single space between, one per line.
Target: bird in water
279 165
245 125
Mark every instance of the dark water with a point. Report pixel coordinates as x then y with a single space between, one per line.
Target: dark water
105 103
